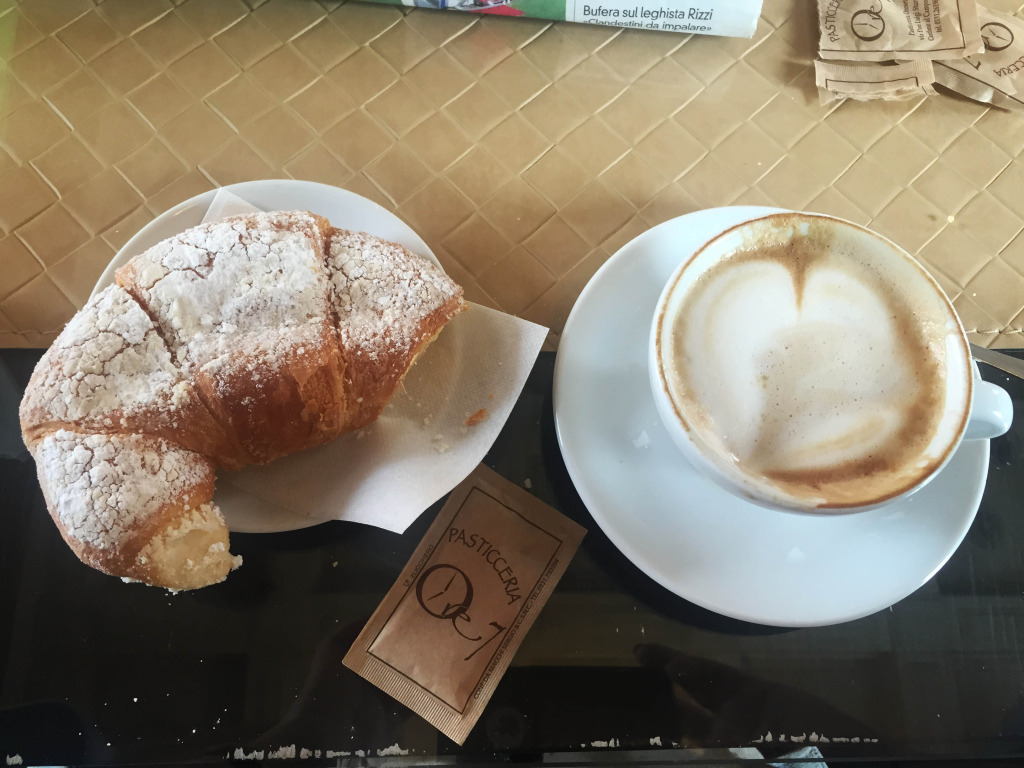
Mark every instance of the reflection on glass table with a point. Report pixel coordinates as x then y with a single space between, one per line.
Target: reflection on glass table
616 670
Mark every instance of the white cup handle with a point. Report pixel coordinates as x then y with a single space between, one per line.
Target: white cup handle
991 411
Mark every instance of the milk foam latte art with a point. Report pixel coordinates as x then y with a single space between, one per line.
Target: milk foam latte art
813 363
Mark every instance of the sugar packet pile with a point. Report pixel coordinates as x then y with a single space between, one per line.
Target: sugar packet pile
893 49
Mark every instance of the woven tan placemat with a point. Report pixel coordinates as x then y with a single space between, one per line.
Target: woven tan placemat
525 152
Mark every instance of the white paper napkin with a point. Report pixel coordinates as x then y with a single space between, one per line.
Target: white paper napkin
421 447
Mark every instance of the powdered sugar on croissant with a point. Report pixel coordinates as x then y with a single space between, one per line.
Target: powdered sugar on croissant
215 290
230 344
135 507
110 371
244 306
382 292
390 304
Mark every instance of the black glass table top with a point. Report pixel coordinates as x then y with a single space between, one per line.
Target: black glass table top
616 670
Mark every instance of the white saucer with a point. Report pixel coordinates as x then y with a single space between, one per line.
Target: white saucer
685 532
346 210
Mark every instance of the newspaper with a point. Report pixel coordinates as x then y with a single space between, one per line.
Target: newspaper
730 18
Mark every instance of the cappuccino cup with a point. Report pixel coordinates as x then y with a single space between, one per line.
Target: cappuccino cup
808 364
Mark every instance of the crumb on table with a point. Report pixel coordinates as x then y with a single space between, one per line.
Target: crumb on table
476 418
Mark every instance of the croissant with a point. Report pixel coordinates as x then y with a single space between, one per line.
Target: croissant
232 343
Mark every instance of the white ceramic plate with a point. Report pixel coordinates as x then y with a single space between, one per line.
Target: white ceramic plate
344 209
685 532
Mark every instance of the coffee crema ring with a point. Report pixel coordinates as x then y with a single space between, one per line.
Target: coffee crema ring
814 362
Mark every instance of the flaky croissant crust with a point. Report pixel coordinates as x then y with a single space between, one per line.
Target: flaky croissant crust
230 344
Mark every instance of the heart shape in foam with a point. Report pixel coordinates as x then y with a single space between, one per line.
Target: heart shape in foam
797 372
805 362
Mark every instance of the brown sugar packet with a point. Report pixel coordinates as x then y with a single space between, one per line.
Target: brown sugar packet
868 80
447 630
882 30
997 75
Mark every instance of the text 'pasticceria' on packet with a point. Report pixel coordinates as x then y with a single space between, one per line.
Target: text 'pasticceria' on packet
447 630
